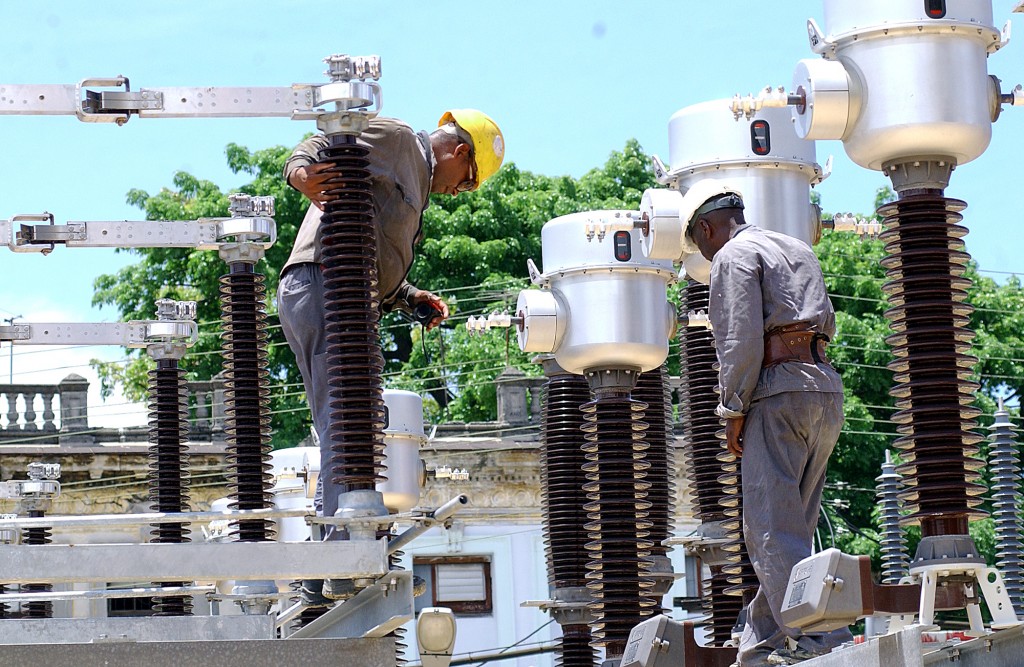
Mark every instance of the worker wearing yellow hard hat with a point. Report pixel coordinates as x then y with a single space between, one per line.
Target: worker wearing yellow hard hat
488 144
404 168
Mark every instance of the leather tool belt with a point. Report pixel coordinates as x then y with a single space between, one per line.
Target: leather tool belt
794 342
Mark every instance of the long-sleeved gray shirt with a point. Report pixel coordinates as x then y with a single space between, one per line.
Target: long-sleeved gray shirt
762 280
401 166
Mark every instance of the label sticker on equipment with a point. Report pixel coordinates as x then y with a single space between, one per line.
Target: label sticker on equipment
798 595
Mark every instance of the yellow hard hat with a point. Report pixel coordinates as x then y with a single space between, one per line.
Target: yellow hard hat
488 143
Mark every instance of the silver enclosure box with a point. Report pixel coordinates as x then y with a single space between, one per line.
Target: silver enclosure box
824 593
602 303
763 157
917 85
403 436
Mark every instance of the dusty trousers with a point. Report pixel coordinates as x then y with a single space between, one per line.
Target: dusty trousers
787 440
300 304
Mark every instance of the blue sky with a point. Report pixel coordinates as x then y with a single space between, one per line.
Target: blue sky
567 81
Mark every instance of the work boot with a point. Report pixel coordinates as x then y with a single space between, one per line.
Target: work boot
338 589
311 593
792 656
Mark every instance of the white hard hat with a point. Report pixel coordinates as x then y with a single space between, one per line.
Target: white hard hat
701 193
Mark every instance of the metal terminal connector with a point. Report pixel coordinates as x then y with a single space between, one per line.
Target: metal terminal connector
23 238
769 97
493 321
1015 97
41 485
355 99
848 222
169 309
170 339
37 470
454 474
341 67
620 223
243 205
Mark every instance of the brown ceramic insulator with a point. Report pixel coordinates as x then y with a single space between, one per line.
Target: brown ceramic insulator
740 570
697 408
925 263
169 466
247 398
713 472
4 608
562 480
652 388
574 648
618 513
352 305
722 608
42 608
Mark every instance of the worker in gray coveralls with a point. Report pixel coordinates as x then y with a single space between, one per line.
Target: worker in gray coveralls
782 402
405 167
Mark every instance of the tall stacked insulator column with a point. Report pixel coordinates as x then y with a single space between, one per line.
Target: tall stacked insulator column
653 389
618 509
352 303
702 448
168 455
246 379
243 241
925 262
1006 505
565 538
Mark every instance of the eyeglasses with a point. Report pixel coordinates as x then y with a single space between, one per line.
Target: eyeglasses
470 182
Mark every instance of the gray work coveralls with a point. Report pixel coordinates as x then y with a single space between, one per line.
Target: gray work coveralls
761 280
401 164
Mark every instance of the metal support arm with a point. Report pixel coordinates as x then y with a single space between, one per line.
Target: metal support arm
251 221
111 100
137 333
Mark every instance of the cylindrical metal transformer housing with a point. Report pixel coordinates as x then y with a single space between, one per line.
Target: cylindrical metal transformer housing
612 302
292 489
763 157
403 436
918 74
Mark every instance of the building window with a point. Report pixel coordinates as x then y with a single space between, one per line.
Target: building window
461 583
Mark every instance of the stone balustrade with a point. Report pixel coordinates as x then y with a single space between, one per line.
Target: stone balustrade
29 407
47 414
